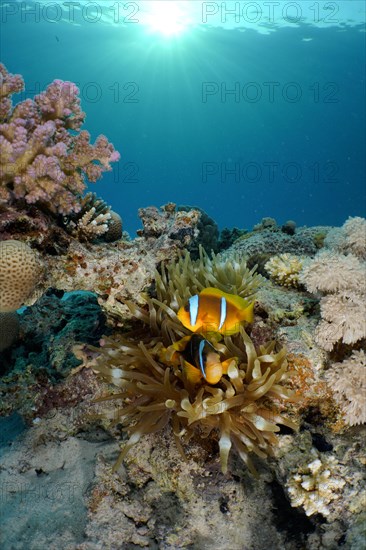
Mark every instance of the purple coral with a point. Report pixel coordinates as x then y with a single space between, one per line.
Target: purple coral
40 160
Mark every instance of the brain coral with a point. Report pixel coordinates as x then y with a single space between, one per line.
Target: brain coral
20 271
115 226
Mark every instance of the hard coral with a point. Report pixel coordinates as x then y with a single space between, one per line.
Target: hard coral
91 221
241 410
316 485
41 161
284 269
167 223
115 228
20 272
208 236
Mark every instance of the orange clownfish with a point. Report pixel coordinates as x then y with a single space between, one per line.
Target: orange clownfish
213 310
199 359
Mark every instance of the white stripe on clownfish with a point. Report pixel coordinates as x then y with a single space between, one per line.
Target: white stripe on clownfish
193 309
223 312
200 355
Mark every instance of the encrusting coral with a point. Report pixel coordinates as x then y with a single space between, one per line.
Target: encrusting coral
44 156
242 410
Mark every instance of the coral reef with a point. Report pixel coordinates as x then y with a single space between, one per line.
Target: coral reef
168 223
92 225
61 474
94 221
208 236
229 236
48 332
266 223
289 227
45 156
284 269
324 477
122 270
273 241
20 273
330 272
310 491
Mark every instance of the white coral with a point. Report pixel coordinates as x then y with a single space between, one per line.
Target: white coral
331 272
351 238
316 485
348 383
90 227
355 231
343 279
343 318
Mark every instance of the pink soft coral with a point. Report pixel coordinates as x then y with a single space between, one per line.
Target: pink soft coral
40 160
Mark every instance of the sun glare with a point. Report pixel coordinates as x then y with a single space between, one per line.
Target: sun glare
166 17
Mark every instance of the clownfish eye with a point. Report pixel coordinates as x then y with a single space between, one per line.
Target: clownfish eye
186 307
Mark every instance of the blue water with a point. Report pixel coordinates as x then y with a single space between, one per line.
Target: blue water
165 104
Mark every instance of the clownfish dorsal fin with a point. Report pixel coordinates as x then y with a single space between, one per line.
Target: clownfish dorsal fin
248 313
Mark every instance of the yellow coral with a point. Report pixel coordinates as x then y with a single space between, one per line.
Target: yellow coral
284 269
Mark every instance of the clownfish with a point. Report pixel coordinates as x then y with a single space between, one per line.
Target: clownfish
213 310
199 359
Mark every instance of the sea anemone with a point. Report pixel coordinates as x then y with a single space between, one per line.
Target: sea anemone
181 279
242 410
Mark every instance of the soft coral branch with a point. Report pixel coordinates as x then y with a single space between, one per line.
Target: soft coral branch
40 160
